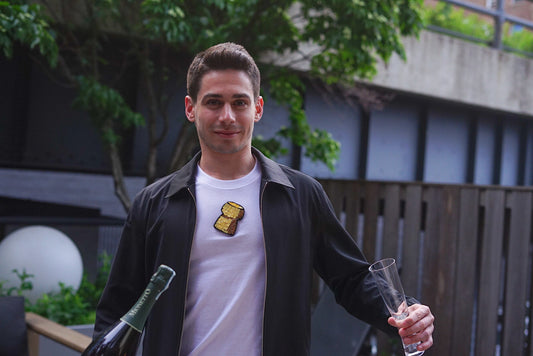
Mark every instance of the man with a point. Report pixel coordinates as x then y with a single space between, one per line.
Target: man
243 234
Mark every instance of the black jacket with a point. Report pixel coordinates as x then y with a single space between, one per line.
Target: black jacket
301 232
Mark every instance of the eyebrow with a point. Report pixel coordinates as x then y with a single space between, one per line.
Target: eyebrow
235 96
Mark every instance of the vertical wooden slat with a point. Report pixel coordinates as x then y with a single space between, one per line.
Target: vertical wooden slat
345 197
352 208
33 343
461 256
439 260
411 239
432 197
530 296
326 183
371 220
465 272
490 268
448 236
517 273
334 190
391 217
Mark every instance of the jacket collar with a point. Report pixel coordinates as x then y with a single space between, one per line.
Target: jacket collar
185 177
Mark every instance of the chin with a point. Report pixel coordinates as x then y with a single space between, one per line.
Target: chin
226 149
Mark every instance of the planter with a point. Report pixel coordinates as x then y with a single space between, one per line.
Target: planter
47 347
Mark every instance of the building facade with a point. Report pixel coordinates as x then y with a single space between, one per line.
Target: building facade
454 112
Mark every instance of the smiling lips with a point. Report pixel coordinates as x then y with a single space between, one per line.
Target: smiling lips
226 133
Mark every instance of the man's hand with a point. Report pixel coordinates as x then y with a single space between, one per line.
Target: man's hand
418 326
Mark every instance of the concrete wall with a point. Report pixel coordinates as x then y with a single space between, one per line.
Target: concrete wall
448 68
441 74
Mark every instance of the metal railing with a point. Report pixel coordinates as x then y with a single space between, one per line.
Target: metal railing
500 18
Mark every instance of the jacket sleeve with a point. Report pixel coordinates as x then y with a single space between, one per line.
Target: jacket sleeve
127 277
344 268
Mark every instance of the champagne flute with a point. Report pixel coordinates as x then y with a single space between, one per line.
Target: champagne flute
390 287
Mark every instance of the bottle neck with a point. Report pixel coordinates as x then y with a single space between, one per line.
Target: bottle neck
137 315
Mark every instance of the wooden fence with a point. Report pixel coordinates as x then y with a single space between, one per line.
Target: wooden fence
464 250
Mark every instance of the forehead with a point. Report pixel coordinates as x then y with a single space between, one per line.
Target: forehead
225 82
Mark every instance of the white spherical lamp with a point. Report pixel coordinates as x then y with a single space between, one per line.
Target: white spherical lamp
46 253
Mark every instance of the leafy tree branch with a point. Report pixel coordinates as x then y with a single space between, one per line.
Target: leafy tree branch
96 44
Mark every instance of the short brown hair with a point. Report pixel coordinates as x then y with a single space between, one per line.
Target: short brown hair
222 56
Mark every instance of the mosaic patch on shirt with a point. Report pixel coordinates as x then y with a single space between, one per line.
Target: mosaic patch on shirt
228 220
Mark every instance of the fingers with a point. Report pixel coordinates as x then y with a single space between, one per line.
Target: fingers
417 313
425 338
417 327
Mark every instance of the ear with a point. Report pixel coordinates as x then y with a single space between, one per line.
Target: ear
189 109
258 109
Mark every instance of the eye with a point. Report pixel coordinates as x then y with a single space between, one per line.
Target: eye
240 103
212 103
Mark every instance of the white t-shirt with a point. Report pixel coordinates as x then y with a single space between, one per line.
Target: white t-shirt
226 287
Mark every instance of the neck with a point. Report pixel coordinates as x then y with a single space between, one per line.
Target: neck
227 166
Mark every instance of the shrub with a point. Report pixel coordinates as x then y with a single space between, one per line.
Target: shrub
445 16
521 40
67 306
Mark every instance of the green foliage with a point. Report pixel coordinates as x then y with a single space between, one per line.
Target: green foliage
323 148
318 144
345 38
91 292
24 285
354 34
25 24
270 147
106 107
446 16
164 20
64 307
521 40
67 306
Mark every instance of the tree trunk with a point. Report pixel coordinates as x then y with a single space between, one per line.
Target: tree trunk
118 177
186 142
151 164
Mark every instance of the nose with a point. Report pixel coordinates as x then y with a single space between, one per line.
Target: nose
227 114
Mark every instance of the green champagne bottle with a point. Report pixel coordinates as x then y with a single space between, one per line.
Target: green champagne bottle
122 338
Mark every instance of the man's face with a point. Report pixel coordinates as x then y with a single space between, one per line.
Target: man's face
224 112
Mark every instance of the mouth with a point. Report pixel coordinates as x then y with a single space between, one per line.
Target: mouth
226 133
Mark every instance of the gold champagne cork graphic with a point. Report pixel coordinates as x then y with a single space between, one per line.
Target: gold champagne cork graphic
231 214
